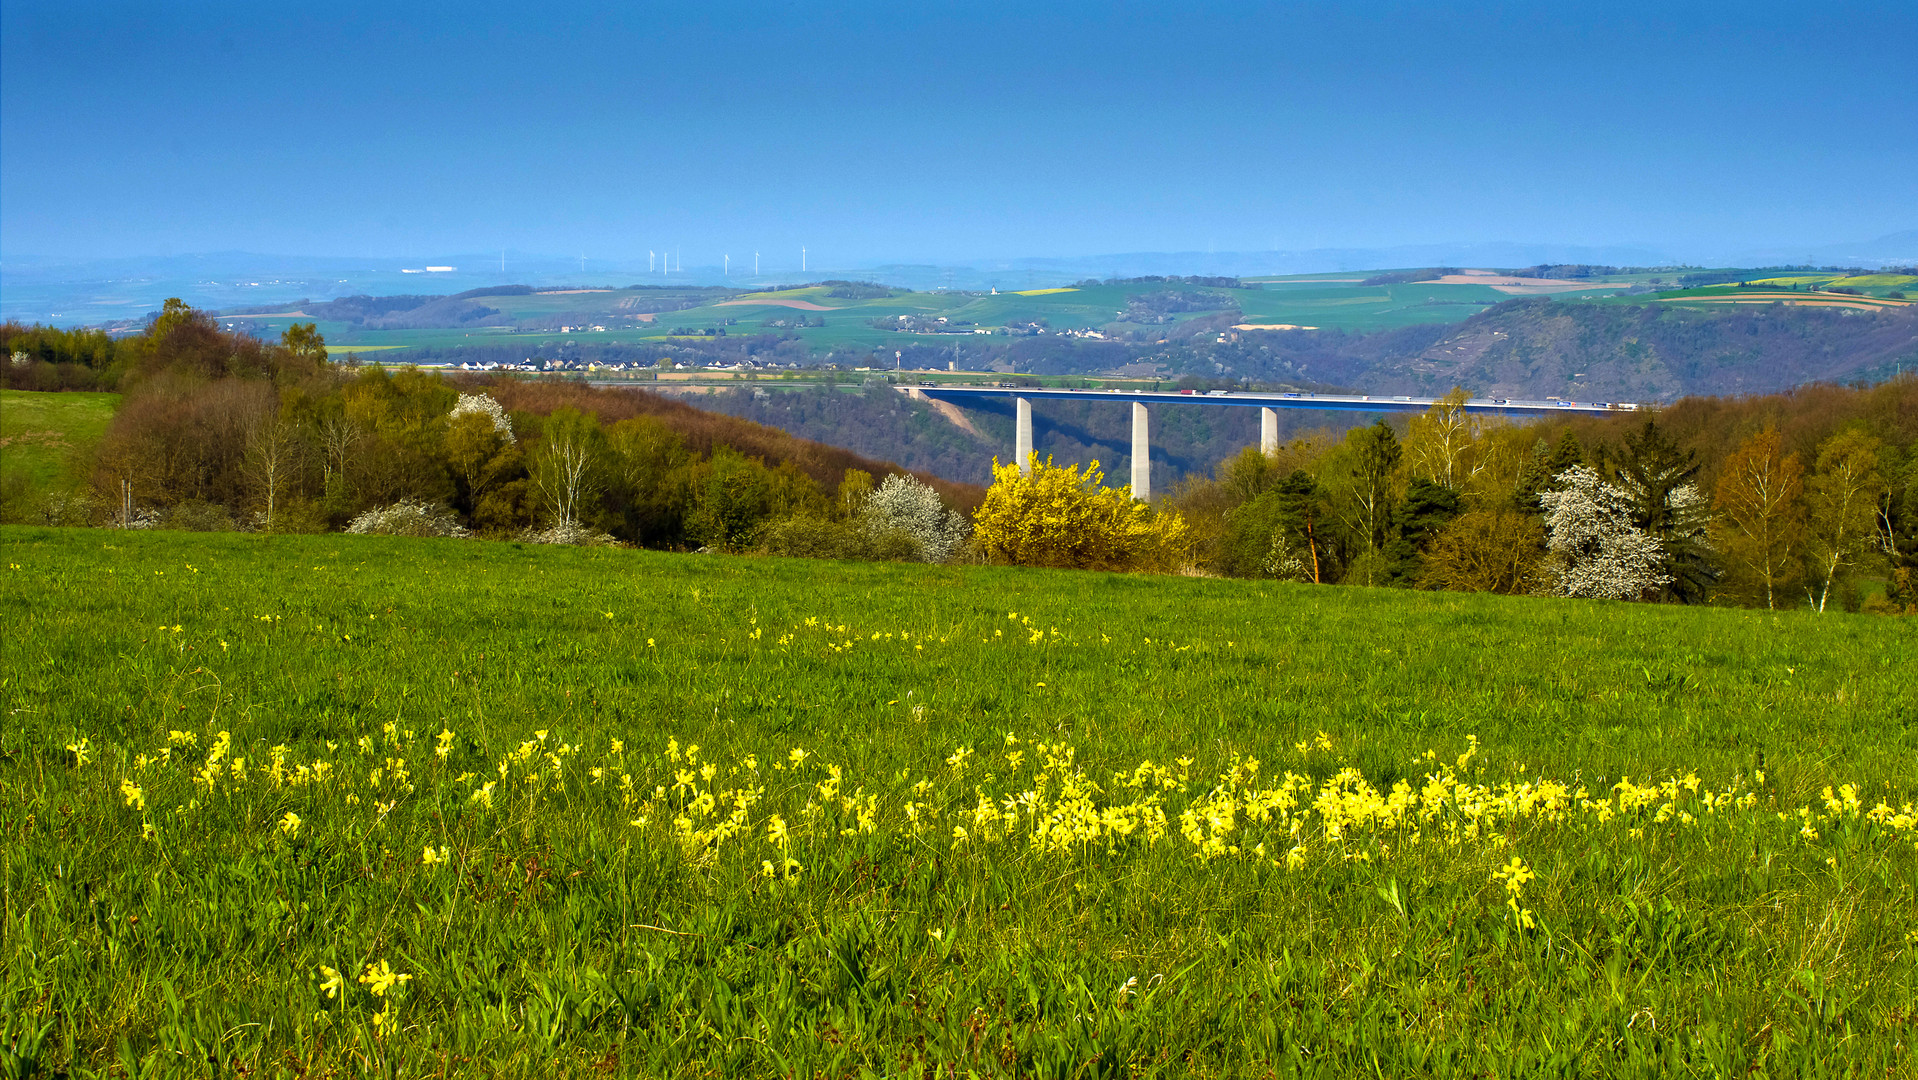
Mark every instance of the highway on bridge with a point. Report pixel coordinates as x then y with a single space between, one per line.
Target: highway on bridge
959 395
1268 403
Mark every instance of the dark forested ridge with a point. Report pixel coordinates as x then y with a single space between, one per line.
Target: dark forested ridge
1535 347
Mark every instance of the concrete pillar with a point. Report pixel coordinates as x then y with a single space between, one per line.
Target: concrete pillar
1269 432
1022 437
1141 453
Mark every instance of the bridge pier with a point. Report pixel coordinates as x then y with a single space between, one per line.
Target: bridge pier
1269 432
1022 436
1141 453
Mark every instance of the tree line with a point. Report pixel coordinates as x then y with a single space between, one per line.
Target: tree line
221 430
1802 500
1806 499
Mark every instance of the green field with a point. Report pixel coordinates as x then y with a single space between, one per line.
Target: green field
41 432
624 813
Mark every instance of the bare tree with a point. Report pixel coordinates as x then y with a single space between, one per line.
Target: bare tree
1844 505
1761 517
272 452
338 436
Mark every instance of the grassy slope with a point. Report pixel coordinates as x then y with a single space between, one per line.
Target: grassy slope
569 932
41 432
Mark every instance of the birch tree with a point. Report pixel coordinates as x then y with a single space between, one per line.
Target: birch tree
1844 503
270 462
1372 458
1761 518
565 467
1446 444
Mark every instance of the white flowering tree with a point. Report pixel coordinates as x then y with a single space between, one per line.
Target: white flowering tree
484 405
1597 551
904 504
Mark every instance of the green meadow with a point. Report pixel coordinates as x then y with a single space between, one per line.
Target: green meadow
337 806
41 433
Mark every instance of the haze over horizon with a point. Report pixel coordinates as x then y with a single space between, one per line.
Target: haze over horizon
948 134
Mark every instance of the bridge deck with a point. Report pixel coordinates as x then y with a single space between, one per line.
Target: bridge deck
1246 399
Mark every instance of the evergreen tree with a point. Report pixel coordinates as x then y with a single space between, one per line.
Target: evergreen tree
1426 509
1668 507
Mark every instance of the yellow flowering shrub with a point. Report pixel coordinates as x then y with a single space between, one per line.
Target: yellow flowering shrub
1060 516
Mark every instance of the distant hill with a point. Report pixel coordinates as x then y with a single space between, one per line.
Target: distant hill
1537 347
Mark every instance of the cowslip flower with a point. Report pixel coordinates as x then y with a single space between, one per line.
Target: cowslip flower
379 978
1515 875
136 799
331 981
290 824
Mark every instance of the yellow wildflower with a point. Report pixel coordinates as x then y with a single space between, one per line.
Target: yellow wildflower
379 978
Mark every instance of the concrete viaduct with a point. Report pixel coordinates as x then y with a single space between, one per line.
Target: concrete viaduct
1266 403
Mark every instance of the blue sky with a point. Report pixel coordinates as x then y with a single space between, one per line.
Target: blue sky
942 132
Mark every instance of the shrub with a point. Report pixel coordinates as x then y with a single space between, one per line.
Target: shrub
197 515
571 532
808 537
1487 551
1061 517
408 517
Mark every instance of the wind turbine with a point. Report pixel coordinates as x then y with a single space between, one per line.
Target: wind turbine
729 267
755 264
802 260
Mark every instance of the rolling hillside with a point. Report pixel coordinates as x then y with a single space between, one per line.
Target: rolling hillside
1644 352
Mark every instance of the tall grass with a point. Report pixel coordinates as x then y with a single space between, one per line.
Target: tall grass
615 812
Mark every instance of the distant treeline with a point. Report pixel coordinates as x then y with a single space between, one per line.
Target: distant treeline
856 290
1192 279
1406 277
1735 276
